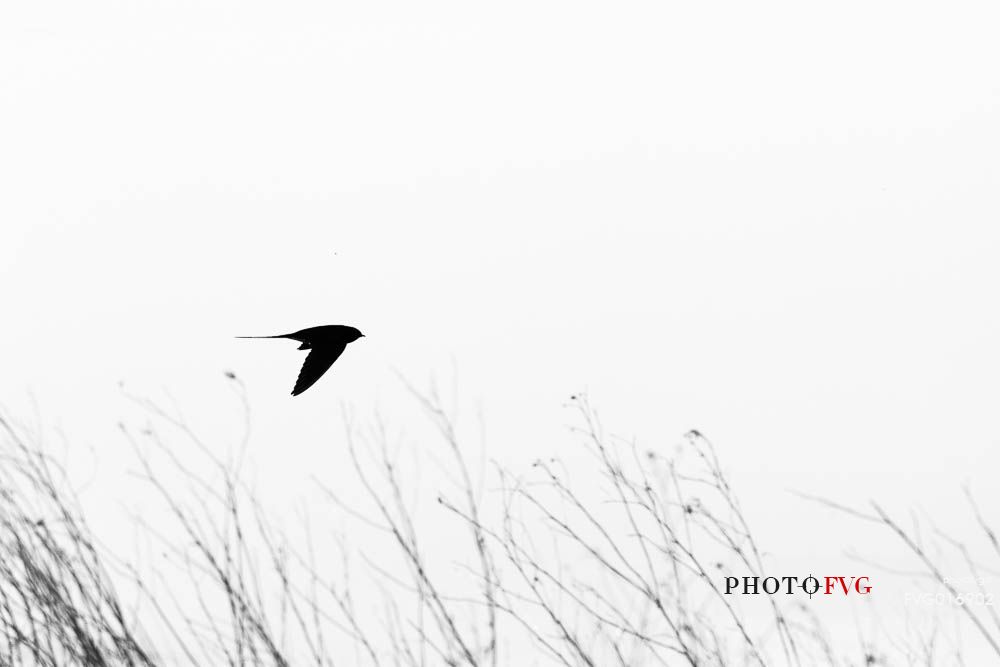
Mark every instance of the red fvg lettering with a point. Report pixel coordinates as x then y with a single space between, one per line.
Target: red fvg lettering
846 586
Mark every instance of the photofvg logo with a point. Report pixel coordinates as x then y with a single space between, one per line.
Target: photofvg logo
791 585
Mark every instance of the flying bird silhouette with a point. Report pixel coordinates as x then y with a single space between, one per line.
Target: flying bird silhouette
326 344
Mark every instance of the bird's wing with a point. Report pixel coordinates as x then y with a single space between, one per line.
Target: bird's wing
317 363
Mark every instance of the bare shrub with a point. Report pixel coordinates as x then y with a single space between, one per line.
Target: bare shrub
620 562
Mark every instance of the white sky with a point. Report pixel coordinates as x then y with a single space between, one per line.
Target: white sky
773 222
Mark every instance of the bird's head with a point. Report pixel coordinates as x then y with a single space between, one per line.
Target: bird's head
353 334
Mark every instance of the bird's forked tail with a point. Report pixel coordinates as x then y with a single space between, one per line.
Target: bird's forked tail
304 346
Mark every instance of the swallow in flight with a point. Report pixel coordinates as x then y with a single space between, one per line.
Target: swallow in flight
325 343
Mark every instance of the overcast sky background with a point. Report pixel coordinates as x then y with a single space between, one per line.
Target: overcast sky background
772 222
